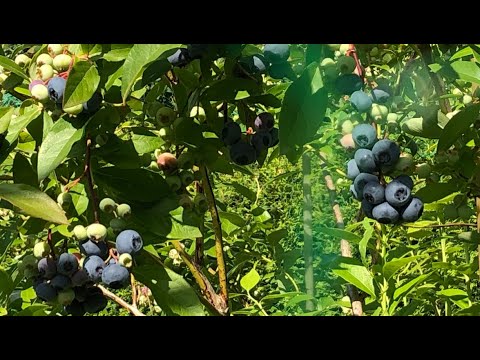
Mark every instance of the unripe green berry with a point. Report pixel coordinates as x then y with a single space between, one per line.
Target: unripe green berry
54 49
124 211
107 205
185 201
96 232
165 116
40 92
174 182
80 232
423 170
126 260
62 62
118 225
64 199
22 60
41 249
201 202
45 72
43 59
186 176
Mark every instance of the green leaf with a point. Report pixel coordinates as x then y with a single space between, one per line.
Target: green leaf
119 52
139 56
6 239
20 122
453 293
250 280
23 172
227 89
171 291
82 83
354 273
6 284
341 234
8 64
406 288
362 245
233 218
277 235
132 184
391 267
457 126
249 194
436 191
181 231
56 146
145 141
5 117
33 202
467 70
303 110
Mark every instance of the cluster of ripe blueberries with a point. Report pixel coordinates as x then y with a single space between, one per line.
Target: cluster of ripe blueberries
388 203
69 279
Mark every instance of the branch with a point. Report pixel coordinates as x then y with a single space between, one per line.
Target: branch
120 301
437 81
307 230
477 207
217 302
134 291
50 243
199 241
88 172
217 227
345 249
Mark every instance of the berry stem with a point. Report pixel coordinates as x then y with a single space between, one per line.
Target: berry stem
88 172
134 291
217 227
50 243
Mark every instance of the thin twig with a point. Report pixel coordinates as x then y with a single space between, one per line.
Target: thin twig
50 243
88 172
217 227
120 301
134 291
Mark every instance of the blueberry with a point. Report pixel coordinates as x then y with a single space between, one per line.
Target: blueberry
406 180
243 153
255 64
361 180
275 138
365 160
281 70
93 248
367 208
45 292
261 140
129 241
380 96
93 104
276 53
167 162
413 211
352 169
385 213
361 101
348 83
397 194
47 268
67 264
354 192
95 303
94 266
115 276
61 282
264 121
75 308
80 278
56 89
364 136
374 192
66 297
386 152
81 293
180 58
231 133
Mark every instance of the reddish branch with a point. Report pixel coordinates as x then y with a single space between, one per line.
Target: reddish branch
120 301
50 243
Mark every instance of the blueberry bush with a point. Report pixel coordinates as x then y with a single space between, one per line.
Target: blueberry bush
239 179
